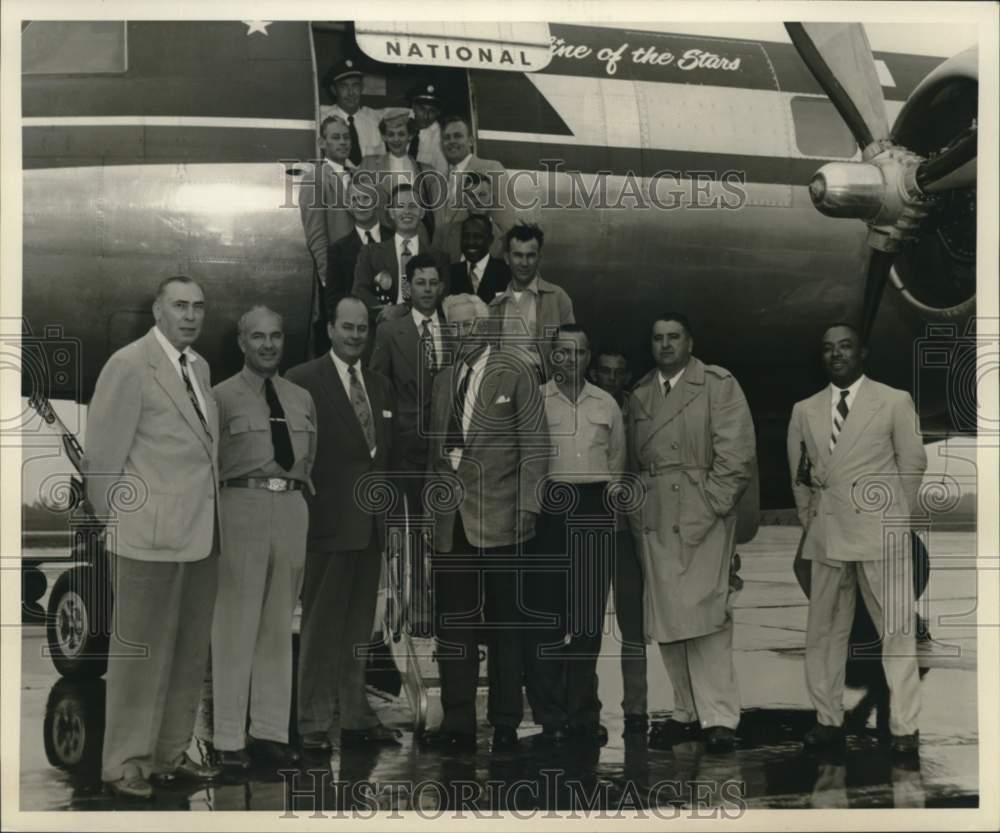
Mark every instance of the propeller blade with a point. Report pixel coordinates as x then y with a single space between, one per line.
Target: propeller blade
950 169
879 265
840 58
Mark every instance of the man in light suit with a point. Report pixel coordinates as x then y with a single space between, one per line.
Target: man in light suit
863 448
354 414
323 208
379 267
152 429
456 142
489 448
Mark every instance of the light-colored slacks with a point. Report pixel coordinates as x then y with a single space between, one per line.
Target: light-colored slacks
704 679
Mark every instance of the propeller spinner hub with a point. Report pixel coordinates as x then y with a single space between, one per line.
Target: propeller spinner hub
848 189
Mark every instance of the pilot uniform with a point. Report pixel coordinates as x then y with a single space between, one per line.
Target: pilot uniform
265 521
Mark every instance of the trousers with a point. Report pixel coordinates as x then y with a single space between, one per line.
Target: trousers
703 678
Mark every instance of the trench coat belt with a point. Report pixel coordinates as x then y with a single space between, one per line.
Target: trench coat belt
655 469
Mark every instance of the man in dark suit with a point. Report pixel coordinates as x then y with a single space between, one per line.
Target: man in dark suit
409 351
478 272
354 414
489 447
342 256
152 428
377 273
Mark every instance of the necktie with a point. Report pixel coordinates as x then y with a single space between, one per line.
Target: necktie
666 388
839 418
404 258
368 237
355 154
473 277
192 395
281 440
427 337
415 144
456 437
360 404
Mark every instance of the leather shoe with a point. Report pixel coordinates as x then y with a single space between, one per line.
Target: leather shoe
446 739
233 759
273 752
636 724
504 739
372 735
820 735
668 732
906 744
188 770
315 742
592 734
720 739
131 786
551 736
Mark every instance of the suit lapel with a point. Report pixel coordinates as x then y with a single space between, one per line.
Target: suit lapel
408 337
330 379
485 397
820 424
665 410
866 405
169 379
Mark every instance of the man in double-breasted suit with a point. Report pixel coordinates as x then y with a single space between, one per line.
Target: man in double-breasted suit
866 462
691 441
354 415
489 450
152 430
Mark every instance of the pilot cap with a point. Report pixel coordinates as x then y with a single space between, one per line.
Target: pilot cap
347 68
424 92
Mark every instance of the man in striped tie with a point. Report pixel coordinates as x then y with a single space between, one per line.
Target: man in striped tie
867 458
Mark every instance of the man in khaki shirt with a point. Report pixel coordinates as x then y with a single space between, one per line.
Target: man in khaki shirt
267 445
588 436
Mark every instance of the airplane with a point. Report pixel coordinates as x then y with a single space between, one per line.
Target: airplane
669 170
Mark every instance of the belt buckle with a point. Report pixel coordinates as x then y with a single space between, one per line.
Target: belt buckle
652 469
277 484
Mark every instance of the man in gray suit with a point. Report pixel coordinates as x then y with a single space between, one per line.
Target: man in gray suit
152 429
861 442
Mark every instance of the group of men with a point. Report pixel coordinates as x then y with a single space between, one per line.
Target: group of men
537 490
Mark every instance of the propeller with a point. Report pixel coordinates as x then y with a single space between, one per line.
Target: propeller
890 189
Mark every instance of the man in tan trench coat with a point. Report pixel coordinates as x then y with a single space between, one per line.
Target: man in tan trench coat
691 442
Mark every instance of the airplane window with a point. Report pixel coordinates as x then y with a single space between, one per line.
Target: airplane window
53 47
819 129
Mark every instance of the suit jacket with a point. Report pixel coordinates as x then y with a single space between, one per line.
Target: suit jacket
871 478
398 357
491 284
452 206
323 209
345 476
382 257
430 186
341 259
144 435
506 455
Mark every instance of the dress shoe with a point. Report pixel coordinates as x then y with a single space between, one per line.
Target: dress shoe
188 770
668 732
131 786
592 734
820 735
720 739
315 742
233 759
636 724
272 752
906 744
504 739
372 735
445 739
552 736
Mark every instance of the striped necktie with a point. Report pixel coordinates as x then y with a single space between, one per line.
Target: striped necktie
182 359
839 418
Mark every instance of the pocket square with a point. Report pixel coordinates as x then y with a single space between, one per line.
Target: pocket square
502 400
387 414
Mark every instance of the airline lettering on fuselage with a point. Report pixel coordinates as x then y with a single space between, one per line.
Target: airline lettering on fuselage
610 56
484 56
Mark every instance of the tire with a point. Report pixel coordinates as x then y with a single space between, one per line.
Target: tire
78 625
74 725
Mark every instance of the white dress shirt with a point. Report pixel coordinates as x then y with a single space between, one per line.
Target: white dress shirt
365 122
375 232
477 371
418 319
673 379
175 359
414 246
345 380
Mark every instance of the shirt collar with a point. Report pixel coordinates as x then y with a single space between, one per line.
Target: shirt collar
461 166
418 318
851 391
480 264
550 388
414 243
673 379
253 378
376 234
172 352
339 167
342 366
531 287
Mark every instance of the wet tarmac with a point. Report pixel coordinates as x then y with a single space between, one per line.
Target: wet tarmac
62 727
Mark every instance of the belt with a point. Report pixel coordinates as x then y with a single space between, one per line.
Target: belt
272 484
653 469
